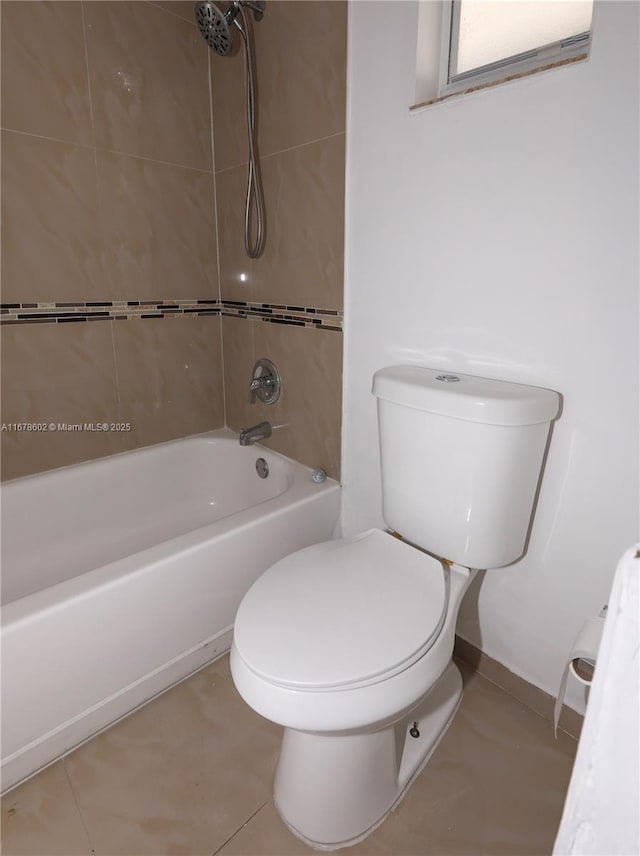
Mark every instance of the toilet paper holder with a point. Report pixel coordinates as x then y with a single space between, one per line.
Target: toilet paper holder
582 659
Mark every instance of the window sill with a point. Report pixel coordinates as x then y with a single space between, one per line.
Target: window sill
506 79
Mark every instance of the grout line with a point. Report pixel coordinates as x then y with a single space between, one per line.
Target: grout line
247 821
154 160
77 805
252 330
284 151
100 209
222 372
96 148
50 139
173 14
303 145
215 214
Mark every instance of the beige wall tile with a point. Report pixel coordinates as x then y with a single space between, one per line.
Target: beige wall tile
235 265
149 83
303 260
301 60
55 373
169 377
41 816
159 229
230 146
44 74
51 232
143 230
181 8
307 417
239 359
300 52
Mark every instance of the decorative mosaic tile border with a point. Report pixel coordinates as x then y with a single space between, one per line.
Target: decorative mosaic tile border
278 313
130 310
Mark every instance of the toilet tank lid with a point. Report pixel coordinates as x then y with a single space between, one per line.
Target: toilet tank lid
467 397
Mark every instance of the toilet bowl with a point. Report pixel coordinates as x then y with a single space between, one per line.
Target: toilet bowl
348 644
372 618
361 664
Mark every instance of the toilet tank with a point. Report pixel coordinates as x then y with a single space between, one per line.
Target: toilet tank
461 458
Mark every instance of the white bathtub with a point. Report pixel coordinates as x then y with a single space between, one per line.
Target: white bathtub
122 576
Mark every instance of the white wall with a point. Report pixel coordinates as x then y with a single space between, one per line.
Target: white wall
498 234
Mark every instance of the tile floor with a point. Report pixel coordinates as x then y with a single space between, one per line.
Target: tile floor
191 773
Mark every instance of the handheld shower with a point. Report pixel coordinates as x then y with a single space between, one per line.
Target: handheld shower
216 28
215 25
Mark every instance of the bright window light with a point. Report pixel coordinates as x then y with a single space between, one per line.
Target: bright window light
463 45
490 31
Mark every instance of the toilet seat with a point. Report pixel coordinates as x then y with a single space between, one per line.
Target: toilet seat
342 614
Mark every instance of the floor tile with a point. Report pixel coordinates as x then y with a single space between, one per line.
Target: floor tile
192 773
494 787
180 775
41 817
267 835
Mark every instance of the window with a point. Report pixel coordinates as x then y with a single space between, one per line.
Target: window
483 42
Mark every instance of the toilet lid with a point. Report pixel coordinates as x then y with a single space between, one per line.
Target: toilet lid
345 612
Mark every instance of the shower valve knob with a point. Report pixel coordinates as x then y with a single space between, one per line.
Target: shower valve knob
265 382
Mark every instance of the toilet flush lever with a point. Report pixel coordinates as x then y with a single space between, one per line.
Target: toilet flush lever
265 382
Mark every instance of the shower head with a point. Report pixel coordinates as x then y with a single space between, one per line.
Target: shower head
215 25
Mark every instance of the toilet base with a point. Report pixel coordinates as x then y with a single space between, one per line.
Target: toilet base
333 790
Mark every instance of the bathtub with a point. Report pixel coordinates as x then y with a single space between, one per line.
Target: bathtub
122 576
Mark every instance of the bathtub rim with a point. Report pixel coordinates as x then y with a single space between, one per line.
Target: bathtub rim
52 740
300 491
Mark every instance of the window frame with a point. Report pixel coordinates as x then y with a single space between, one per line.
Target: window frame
564 50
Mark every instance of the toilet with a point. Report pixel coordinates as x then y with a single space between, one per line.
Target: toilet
348 644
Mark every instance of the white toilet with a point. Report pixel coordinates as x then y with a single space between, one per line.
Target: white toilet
348 644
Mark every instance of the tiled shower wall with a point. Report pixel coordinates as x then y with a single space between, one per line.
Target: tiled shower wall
301 69
108 198
111 295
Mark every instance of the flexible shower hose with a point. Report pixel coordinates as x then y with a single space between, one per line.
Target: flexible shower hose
254 205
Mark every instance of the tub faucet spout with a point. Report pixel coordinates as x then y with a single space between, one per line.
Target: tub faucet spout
258 432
